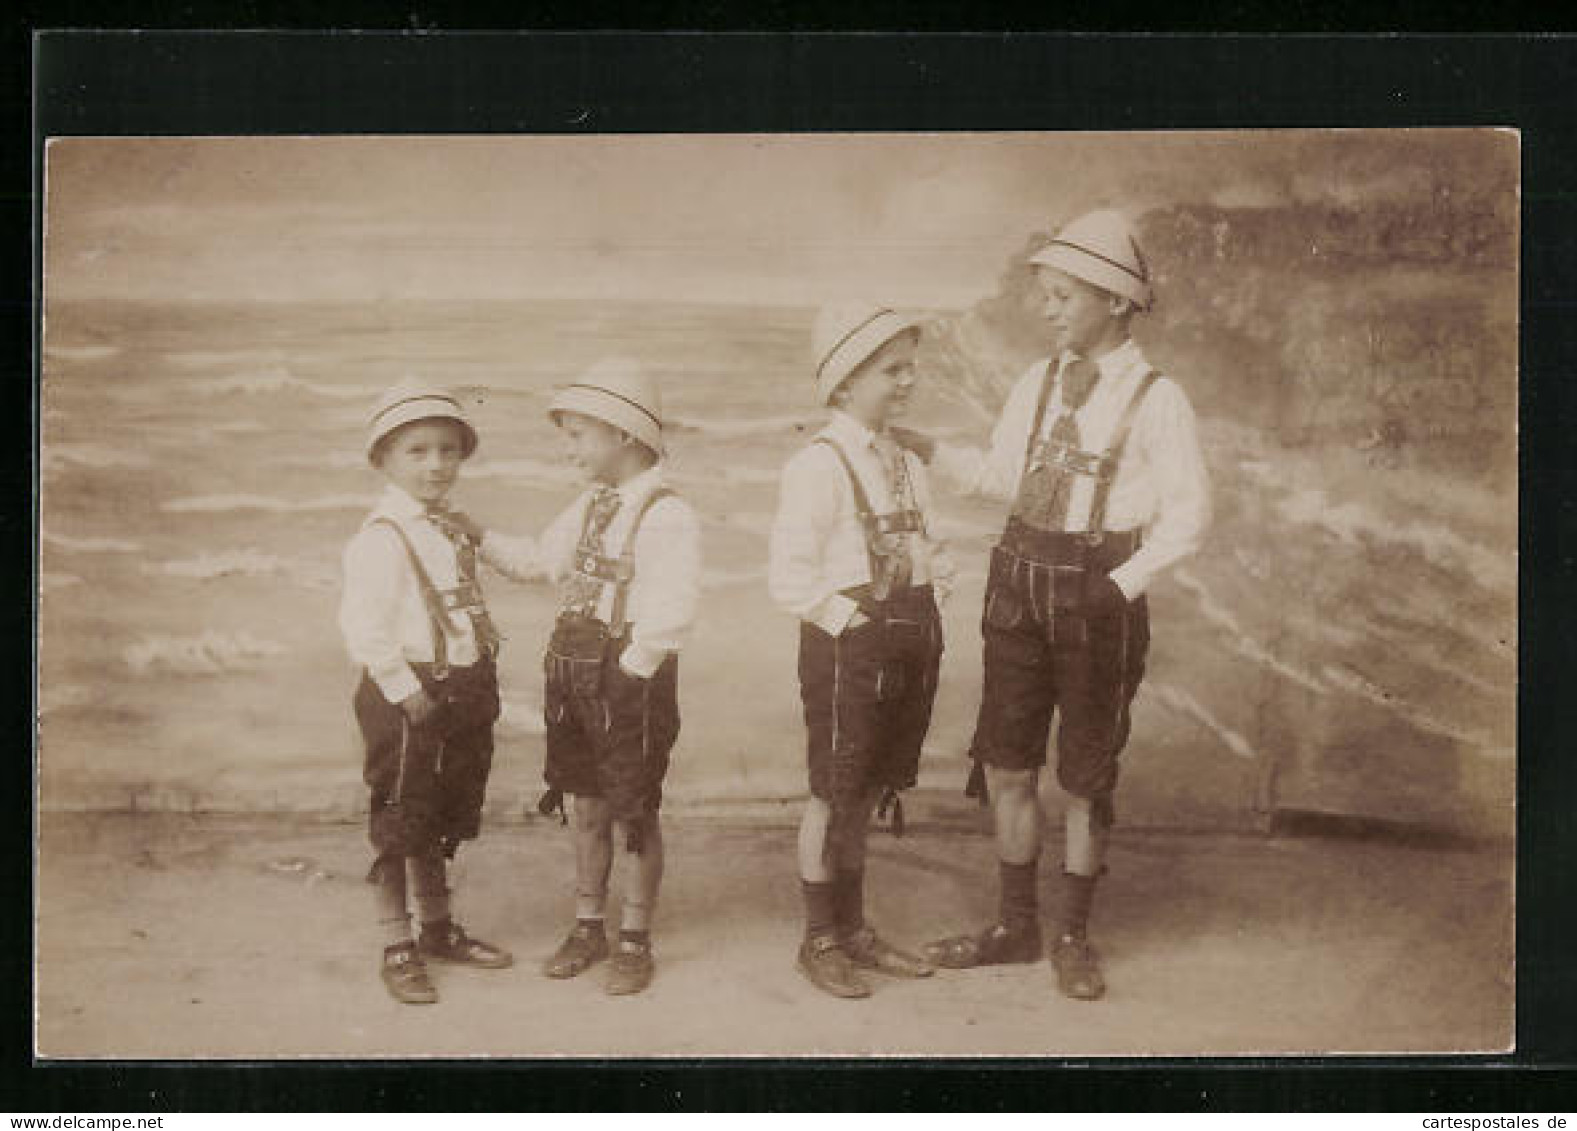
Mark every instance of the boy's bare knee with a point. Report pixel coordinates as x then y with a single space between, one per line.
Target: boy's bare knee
1016 785
592 813
817 811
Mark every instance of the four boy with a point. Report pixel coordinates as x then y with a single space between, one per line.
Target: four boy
1100 459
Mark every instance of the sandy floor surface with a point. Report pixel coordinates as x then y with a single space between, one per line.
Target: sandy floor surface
166 937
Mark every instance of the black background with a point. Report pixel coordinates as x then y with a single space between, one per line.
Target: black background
414 79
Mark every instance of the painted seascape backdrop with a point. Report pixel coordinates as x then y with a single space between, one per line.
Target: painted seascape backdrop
1340 307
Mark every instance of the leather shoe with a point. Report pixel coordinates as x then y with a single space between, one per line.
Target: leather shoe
1078 968
826 966
405 975
630 969
869 951
586 944
996 945
450 944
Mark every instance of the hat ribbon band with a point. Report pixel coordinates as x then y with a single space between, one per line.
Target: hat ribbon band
642 409
843 341
1123 267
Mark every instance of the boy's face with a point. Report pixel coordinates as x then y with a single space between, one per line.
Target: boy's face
1078 313
595 448
879 390
423 458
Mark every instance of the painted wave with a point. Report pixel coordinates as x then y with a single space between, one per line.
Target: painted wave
247 563
218 504
91 545
211 652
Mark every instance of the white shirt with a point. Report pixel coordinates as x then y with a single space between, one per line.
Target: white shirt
818 543
382 615
665 592
1161 485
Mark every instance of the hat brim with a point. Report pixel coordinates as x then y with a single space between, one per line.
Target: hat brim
415 410
1096 270
856 347
601 404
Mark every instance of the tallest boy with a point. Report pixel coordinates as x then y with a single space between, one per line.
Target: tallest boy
1100 459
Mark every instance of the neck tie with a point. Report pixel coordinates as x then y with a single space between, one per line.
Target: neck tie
893 551
468 593
1047 485
582 588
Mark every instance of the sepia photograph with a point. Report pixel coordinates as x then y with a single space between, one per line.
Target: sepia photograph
778 595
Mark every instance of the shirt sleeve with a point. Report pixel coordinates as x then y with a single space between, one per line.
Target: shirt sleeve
523 558
806 516
1169 439
668 574
374 582
517 557
994 473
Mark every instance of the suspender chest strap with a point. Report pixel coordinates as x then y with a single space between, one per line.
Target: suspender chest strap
619 571
1102 467
1046 381
1114 451
875 525
437 610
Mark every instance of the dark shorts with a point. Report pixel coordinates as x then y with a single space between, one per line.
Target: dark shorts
868 694
609 734
1045 654
428 782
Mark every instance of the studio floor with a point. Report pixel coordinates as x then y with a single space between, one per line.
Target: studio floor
250 937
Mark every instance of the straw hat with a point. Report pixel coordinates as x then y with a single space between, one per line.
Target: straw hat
1100 248
846 335
410 401
619 392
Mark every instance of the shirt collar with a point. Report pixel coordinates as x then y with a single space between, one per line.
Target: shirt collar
1118 361
844 427
396 502
637 487
1114 363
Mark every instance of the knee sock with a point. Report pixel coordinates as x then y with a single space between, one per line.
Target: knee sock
394 920
430 889
821 908
1078 892
591 906
849 898
635 917
1020 906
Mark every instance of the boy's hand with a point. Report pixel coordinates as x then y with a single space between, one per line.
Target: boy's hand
419 708
464 524
917 442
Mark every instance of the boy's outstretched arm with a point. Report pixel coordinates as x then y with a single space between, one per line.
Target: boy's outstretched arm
521 557
992 472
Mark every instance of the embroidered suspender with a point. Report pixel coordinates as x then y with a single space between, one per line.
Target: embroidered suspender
437 614
1114 452
618 571
875 525
1100 466
1040 415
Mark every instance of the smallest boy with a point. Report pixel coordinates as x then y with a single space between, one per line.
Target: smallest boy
853 557
627 557
413 618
